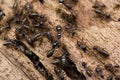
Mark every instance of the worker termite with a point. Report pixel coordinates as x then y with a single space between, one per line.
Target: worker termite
64 60
33 15
70 30
15 5
26 36
37 36
101 14
65 63
116 66
106 16
58 35
41 1
28 28
57 61
110 77
41 69
84 64
82 46
69 18
99 72
87 69
25 21
28 7
59 30
69 6
61 1
118 19
20 13
59 73
33 57
1 14
98 11
7 27
98 6
117 77
17 44
49 36
109 67
18 32
74 1
50 52
101 51
10 19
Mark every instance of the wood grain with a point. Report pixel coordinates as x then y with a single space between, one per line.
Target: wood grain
14 65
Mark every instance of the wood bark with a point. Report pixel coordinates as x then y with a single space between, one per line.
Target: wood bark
14 65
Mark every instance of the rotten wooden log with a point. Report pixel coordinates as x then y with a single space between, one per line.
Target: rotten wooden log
91 30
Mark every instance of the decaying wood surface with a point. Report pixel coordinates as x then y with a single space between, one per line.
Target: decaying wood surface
14 65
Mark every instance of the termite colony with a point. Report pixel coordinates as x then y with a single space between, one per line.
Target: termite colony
32 27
